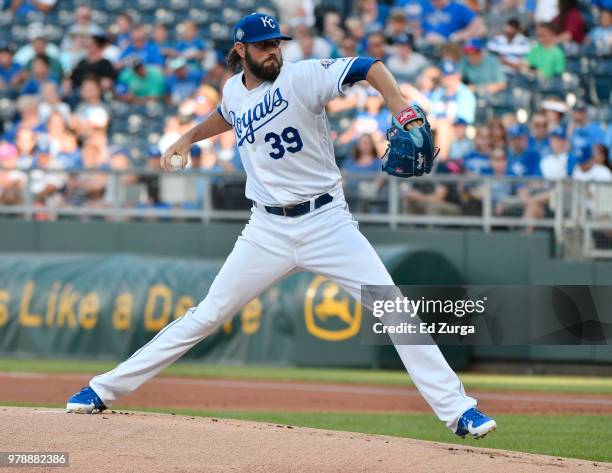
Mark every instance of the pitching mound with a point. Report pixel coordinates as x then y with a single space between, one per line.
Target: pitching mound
145 442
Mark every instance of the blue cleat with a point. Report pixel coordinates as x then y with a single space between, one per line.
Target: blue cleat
476 423
86 401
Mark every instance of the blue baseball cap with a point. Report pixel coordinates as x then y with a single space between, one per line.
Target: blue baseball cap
449 67
257 27
473 45
558 132
517 131
195 151
583 154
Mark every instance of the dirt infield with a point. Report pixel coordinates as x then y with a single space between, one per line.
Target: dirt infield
212 394
146 442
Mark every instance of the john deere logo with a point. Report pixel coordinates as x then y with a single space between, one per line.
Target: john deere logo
329 312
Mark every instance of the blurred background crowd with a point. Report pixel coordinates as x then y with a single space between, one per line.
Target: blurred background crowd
516 88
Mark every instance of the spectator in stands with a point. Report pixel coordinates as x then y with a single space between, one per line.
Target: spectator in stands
498 133
56 127
404 62
501 190
365 157
346 48
511 47
122 29
23 7
190 46
600 155
333 31
306 45
69 155
546 57
151 181
539 138
364 160
478 161
555 110
356 29
40 74
372 14
557 164
522 161
182 81
601 35
9 184
295 12
453 99
95 64
39 45
441 198
140 47
12 74
569 23
27 108
461 145
26 143
397 25
481 71
377 46
74 44
445 20
141 83
159 37
583 132
587 169
91 113
51 102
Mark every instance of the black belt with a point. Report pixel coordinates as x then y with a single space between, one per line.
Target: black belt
298 209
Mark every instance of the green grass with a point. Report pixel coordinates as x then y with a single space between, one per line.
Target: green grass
534 383
585 437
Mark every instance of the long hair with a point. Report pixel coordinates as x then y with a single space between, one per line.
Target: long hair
234 61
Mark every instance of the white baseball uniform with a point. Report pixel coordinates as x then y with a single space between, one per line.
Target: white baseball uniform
283 138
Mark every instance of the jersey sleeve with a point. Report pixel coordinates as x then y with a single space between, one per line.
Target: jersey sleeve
222 110
317 81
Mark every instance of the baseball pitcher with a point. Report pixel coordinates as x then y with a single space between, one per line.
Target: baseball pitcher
300 220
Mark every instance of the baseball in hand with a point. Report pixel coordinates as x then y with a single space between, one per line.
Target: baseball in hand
176 162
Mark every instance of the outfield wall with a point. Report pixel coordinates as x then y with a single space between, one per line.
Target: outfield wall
495 258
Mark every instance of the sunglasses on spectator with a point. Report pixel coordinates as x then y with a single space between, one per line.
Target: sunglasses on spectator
266 45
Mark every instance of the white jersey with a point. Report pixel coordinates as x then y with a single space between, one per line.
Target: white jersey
282 131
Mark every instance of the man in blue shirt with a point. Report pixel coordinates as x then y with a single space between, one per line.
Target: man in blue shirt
583 133
140 47
182 81
478 161
522 161
539 137
445 20
190 46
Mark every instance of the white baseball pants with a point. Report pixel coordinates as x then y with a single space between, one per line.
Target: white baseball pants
325 241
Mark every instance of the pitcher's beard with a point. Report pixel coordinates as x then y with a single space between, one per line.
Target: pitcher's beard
267 70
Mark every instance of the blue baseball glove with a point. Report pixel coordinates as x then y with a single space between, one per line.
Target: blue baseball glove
411 151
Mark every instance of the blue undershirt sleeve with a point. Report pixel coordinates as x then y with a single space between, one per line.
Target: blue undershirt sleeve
359 70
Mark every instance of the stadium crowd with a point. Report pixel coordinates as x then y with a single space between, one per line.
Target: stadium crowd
512 88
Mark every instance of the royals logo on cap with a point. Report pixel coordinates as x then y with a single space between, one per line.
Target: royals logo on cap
257 27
